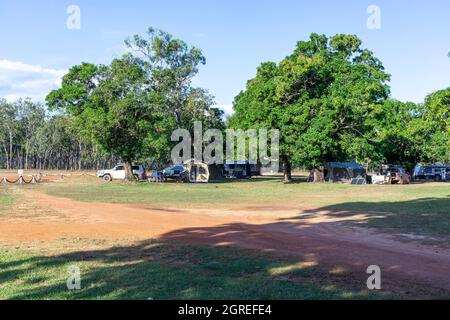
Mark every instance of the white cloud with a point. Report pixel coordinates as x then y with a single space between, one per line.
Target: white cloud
23 67
227 108
22 80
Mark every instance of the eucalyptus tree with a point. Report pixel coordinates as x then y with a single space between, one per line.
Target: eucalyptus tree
171 65
114 104
8 129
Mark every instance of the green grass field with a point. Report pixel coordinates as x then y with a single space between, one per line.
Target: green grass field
422 209
6 199
165 270
160 270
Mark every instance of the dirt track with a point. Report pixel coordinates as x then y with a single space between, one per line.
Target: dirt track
317 239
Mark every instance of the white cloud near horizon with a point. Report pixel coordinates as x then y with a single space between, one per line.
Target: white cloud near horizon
227 108
22 80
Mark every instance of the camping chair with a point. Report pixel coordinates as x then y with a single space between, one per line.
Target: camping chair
157 177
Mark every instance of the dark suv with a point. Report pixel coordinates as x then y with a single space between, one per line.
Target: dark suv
176 172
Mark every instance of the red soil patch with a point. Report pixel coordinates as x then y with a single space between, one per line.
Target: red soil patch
52 177
317 240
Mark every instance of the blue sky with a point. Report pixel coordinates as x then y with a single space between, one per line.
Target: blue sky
236 36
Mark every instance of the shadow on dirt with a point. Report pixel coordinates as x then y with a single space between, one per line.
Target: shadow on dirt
212 268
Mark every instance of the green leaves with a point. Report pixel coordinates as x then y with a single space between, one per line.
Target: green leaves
77 85
321 98
345 44
130 107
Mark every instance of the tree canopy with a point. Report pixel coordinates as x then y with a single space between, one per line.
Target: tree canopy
330 99
324 98
130 107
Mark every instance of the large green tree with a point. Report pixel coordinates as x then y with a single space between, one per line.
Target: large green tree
436 117
324 98
415 133
8 129
171 66
114 106
402 134
130 107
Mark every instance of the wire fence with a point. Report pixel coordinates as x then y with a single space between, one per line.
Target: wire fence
22 180
37 178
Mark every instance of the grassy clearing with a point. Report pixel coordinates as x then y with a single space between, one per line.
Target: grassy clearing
238 194
422 209
6 200
162 270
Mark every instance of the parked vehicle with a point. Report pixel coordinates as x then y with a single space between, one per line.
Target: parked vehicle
240 169
176 172
432 172
118 173
390 174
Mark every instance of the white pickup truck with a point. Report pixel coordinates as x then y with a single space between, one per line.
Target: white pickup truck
391 174
118 173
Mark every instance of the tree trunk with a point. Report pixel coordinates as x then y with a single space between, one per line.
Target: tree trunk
6 155
10 149
287 169
128 171
26 156
80 151
318 175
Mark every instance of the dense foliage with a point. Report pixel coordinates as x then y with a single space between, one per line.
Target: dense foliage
130 107
330 99
31 138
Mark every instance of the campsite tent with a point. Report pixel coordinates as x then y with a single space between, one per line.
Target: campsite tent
346 172
241 169
198 172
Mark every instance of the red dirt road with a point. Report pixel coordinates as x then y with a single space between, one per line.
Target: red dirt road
317 239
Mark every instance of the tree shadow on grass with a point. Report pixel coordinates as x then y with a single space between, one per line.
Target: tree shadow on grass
428 217
288 259
169 270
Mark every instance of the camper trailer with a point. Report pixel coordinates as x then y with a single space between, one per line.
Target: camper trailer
240 169
432 172
345 172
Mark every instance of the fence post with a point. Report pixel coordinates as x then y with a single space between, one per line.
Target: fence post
20 173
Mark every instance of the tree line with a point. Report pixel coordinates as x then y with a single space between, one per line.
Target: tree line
32 138
102 114
330 99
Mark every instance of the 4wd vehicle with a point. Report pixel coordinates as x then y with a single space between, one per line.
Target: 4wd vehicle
391 174
177 172
118 173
